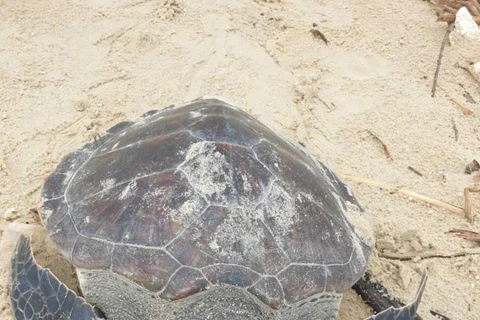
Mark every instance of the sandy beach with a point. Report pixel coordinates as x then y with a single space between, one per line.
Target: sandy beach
70 70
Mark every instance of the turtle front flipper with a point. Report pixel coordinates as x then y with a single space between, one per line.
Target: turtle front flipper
407 312
36 294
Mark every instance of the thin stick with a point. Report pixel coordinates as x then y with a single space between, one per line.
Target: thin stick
466 234
429 254
408 193
476 4
468 202
455 130
451 25
439 315
472 8
418 173
459 106
384 146
440 9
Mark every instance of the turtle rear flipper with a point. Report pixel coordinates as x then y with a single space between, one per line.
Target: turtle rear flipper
37 294
407 312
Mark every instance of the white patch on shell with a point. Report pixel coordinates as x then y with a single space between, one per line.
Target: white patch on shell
47 214
107 183
129 190
213 175
208 168
68 175
281 207
214 245
186 210
156 195
239 237
115 146
195 114
153 194
247 186
197 149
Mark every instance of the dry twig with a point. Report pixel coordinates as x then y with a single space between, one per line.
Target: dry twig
455 130
397 189
439 315
451 25
451 18
467 212
384 146
459 106
418 173
428 254
467 234
446 10
468 202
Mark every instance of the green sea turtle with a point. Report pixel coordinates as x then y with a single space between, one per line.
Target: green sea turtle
197 211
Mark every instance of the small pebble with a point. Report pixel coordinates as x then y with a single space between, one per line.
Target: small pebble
80 106
476 68
10 214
